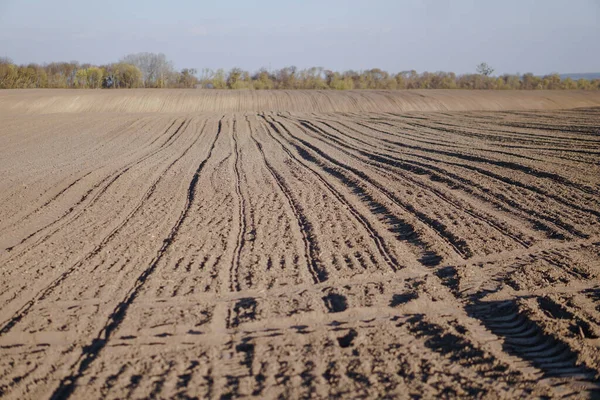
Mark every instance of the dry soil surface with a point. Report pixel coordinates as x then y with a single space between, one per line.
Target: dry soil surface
299 254
44 101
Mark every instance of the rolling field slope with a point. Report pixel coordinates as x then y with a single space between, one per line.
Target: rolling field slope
302 253
49 101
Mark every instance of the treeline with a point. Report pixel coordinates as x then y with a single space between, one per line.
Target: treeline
149 70
320 78
142 70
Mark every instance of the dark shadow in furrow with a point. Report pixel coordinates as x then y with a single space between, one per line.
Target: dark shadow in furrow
134 382
92 351
542 127
467 157
246 350
343 145
447 143
577 325
564 262
14 380
184 379
158 381
361 382
112 380
501 136
525 339
332 377
404 229
528 170
346 340
488 143
418 137
311 247
459 350
244 310
335 302
520 144
23 311
537 224
309 380
399 225
455 181
170 137
561 200
594 295
399 299
489 125
165 145
503 164
235 262
533 146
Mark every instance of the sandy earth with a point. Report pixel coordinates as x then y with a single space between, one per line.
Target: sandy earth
45 101
299 254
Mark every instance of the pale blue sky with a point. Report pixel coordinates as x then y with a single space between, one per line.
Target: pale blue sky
538 36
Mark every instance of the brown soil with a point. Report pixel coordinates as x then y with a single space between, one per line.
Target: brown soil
298 254
49 101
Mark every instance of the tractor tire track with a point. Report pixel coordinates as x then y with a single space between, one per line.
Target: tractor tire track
524 338
280 254
110 180
343 146
311 249
6 326
235 263
503 164
90 352
456 244
377 239
542 222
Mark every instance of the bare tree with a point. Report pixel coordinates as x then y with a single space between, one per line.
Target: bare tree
484 69
187 78
156 69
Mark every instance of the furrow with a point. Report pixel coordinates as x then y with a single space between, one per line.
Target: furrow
456 244
379 242
104 187
91 351
485 219
24 310
235 263
524 338
317 273
507 165
501 200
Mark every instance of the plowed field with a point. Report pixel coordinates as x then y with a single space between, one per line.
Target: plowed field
300 254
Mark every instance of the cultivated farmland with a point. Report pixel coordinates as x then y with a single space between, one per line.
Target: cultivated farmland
207 244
